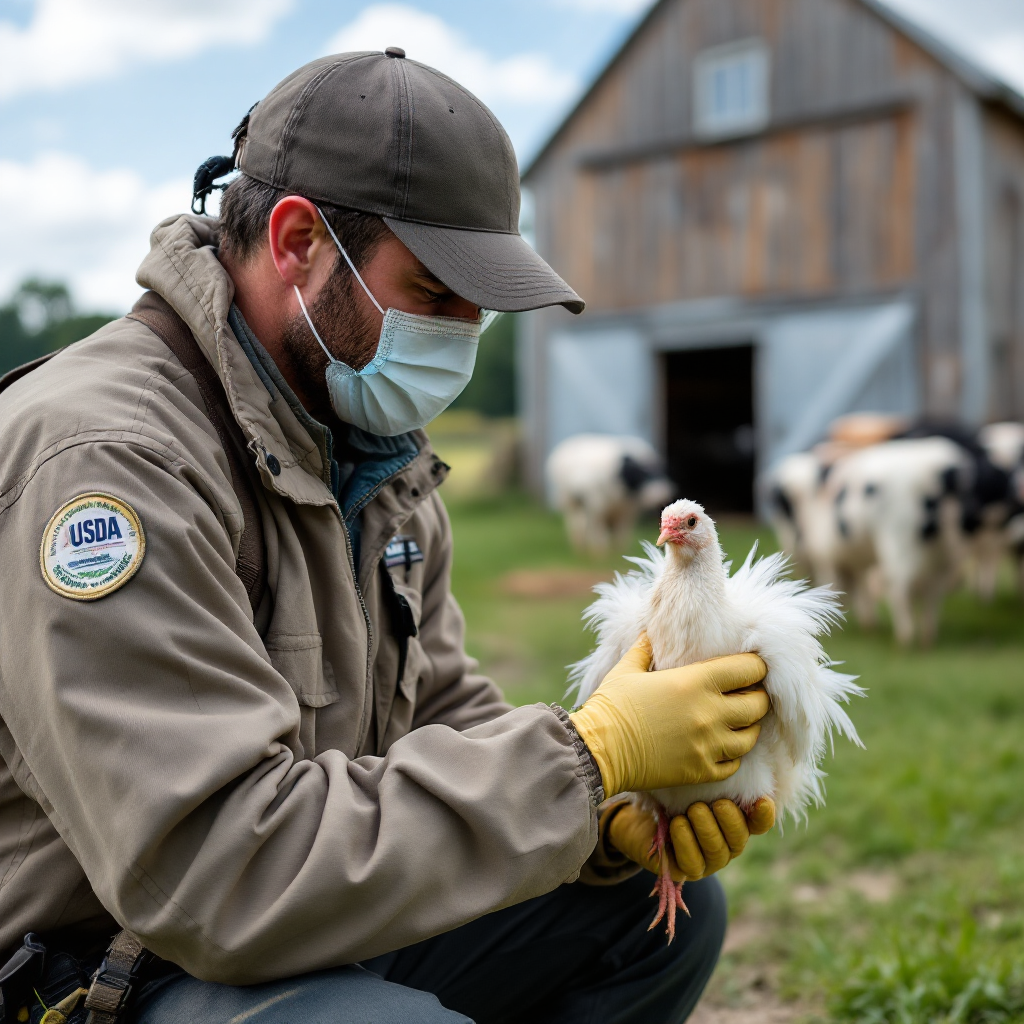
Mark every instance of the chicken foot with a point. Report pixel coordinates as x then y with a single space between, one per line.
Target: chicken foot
669 893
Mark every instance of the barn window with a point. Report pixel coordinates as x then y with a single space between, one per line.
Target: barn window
731 89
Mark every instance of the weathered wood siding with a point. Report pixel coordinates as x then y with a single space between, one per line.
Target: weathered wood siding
849 190
800 213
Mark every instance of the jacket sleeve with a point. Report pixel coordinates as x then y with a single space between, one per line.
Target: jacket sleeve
154 732
451 691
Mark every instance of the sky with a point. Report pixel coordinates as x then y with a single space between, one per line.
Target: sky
108 106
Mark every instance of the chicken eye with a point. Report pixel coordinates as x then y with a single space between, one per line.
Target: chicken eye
691 522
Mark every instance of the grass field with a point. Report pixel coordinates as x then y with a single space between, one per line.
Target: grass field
903 900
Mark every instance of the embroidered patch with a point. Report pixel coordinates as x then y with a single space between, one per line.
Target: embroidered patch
402 550
92 545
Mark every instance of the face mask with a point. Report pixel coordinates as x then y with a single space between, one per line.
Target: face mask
421 366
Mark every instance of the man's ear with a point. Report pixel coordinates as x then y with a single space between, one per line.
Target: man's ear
297 240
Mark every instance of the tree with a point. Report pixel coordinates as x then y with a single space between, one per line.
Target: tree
39 318
492 390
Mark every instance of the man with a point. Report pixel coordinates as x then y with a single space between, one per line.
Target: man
237 717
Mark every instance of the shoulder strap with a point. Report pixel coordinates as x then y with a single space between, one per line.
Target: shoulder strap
158 315
12 376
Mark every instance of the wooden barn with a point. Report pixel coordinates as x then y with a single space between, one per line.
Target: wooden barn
778 211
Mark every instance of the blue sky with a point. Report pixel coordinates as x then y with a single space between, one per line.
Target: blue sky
107 106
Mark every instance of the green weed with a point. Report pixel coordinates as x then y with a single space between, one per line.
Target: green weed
946 978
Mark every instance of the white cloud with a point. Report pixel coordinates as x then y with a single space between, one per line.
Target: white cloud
989 32
65 221
626 7
71 41
526 78
1005 55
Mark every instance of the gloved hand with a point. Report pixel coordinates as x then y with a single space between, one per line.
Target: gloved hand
677 727
703 840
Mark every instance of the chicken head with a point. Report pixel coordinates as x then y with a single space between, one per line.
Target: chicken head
687 528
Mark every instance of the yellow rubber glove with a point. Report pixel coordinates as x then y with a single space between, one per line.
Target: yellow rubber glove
703 841
677 727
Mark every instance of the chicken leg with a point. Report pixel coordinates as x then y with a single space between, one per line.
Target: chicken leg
669 893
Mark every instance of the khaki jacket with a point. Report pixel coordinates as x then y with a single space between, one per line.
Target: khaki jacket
254 799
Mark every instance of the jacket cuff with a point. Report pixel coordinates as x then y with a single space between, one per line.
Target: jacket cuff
606 866
590 772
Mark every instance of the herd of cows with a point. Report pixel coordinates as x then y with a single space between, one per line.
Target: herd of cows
904 518
883 511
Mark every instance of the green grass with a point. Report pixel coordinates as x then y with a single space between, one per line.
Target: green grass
901 901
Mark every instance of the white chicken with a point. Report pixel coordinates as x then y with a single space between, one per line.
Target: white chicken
692 609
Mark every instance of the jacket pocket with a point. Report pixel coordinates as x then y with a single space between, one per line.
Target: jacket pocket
299 657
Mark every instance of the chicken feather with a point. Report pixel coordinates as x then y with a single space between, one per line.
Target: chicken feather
693 609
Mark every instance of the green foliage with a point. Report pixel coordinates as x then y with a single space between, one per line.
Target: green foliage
492 390
40 318
940 977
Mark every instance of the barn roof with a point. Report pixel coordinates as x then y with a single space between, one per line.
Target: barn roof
977 79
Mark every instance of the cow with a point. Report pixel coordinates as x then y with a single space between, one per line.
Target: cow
601 484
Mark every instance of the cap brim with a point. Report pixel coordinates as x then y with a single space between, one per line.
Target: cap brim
491 269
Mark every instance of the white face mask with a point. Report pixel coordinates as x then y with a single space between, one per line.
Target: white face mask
421 366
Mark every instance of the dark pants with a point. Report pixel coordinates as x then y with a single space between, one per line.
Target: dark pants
578 954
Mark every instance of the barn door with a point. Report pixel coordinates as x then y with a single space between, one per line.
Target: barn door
819 365
709 426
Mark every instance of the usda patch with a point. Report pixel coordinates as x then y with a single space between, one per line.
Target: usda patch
92 545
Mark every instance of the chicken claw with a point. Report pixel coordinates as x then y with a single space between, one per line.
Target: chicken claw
669 893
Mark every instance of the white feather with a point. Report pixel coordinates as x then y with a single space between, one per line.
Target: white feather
692 609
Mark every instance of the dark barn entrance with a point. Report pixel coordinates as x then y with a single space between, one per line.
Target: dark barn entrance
709 426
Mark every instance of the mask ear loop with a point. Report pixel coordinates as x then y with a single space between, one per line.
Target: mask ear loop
352 266
305 313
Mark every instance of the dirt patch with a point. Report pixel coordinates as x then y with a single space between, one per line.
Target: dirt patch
743 932
767 1011
874 886
746 993
550 582
744 988
809 893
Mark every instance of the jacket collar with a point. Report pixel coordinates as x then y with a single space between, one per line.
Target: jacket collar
183 268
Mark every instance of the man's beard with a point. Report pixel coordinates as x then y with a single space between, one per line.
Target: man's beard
349 332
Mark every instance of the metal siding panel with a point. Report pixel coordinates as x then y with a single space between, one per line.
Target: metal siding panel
970 207
600 382
817 366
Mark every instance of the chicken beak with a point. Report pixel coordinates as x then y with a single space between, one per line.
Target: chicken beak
665 534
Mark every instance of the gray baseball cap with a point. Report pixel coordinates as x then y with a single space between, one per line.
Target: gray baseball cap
379 133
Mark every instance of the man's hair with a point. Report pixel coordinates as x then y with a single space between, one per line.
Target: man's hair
245 209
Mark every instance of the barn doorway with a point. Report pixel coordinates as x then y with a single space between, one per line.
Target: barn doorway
709 426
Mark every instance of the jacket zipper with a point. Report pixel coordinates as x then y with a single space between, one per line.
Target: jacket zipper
364 725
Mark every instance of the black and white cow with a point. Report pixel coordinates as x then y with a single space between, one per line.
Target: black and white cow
601 483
